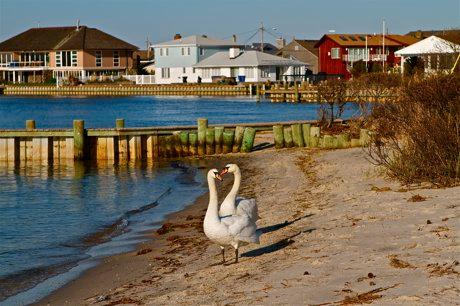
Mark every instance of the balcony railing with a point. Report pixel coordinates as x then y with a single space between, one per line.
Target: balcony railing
362 57
18 64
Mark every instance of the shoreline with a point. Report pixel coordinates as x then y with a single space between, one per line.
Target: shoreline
334 232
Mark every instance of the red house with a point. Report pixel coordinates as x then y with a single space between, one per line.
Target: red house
338 52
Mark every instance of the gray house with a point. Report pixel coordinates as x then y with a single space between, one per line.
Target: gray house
302 50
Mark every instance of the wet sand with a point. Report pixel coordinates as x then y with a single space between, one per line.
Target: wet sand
335 232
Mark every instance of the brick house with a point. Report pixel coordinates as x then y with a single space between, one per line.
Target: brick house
78 51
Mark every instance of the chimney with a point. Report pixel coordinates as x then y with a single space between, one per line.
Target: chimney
234 38
280 42
78 24
177 36
418 34
234 52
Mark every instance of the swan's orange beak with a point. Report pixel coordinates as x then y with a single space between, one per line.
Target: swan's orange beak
219 177
224 171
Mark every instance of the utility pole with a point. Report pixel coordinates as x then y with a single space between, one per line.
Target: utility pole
262 29
148 47
383 46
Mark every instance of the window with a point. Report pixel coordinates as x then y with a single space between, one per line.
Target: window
165 73
6 57
206 73
66 59
98 58
201 51
184 70
265 72
249 72
116 59
166 51
296 48
182 51
335 53
193 70
188 50
215 72
161 51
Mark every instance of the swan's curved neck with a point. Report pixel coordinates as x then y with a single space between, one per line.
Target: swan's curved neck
236 183
213 210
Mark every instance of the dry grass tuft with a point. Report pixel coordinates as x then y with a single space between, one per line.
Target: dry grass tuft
416 198
395 262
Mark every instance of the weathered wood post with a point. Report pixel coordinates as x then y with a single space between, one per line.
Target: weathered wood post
168 145
315 132
210 138
79 139
306 134
177 143
328 142
193 140
278 136
219 136
202 126
287 133
30 124
239 130
120 123
296 92
258 92
297 135
343 140
228 141
355 142
364 137
184 142
248 139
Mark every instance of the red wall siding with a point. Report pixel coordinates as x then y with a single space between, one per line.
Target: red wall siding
326 63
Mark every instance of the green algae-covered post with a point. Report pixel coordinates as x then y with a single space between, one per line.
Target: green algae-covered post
79 139
202 126
210 138
193 140
248 139
328 141
184 142
343 140
364 137
306 134
218 138
278 136
227 141
30 124
239 130
355 142
287 133
297 135
120 123
315 132
296 92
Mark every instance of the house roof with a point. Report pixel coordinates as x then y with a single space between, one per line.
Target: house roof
268 48
246 59
351 40
64 38
430 45
452 35
309 44
197 40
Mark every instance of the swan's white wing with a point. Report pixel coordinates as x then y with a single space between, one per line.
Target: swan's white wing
247 207
241 228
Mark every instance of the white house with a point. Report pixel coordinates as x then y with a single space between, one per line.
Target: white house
174 60
248 66
438 54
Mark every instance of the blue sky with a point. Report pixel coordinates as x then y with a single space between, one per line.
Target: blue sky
135 20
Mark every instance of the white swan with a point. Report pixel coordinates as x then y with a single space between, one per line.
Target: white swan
233 205
229 230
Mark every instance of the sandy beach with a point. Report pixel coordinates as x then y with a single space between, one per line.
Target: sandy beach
335 232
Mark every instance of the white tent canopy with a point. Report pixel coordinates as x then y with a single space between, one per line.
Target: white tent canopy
430 45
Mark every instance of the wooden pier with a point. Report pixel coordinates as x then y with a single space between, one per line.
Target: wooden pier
119 144
129 90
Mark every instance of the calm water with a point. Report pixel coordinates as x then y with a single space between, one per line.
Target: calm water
53 219
100 112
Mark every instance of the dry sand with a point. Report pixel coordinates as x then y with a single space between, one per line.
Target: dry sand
335 232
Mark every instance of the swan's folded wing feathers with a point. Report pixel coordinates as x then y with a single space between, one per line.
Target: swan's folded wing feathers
242 228
247 207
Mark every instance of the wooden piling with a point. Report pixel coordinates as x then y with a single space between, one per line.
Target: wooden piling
355 142
239 130
364 137
219 135
30 124
210 140
193 141
227 139
79 139
306 134
202 126
120 123
177 145
248 139
184 142
168 140
297 136
287 133
343 141
278 136
315 132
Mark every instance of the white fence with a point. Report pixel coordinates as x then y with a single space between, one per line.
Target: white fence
141 79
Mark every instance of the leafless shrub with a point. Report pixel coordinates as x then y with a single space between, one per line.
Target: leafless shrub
417 137
333 97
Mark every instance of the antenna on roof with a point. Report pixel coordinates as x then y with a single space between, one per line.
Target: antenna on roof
38 24
78 24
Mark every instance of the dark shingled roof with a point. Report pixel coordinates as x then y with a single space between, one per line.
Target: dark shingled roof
64 38
309 44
